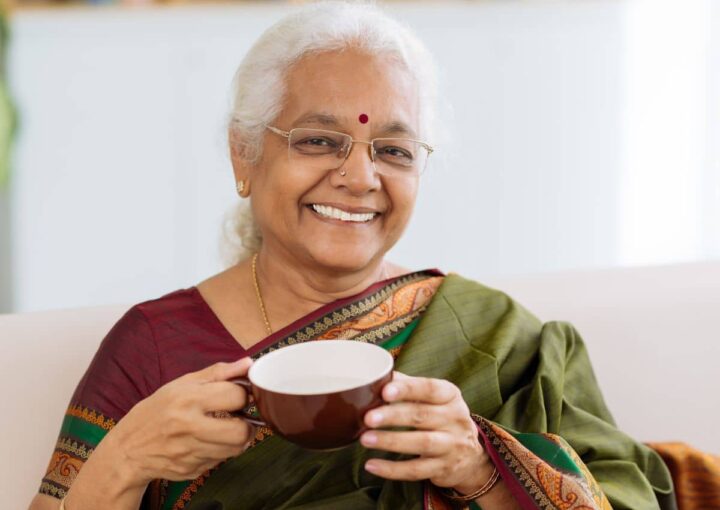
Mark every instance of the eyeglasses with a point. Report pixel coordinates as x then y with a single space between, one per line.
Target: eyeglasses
328 150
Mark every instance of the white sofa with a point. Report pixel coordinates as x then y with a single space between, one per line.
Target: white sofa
653 335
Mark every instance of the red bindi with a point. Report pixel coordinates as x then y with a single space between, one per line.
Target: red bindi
363 118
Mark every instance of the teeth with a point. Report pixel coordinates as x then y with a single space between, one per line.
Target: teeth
332 212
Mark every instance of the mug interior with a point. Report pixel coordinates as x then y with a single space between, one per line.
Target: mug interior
320 366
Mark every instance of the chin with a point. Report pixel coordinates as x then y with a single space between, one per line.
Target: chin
343 258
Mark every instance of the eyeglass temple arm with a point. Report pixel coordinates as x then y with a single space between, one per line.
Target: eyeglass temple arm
280 132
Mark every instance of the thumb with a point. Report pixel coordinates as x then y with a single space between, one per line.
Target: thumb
224 371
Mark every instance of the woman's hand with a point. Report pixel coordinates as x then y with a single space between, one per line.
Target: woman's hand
172 435
445 437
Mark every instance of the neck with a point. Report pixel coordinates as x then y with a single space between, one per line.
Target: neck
291 289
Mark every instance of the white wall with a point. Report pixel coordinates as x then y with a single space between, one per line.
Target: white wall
584 136
666 150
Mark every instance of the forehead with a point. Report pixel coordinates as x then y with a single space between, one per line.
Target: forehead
349 83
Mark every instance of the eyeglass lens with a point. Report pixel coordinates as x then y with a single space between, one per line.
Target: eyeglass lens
329 150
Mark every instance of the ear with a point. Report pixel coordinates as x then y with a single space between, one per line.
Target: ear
242 167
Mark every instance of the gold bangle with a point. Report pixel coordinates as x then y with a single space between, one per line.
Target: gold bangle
62 504
456 496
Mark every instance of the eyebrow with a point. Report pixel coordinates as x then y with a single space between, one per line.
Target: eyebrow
329 120
397 127
325 119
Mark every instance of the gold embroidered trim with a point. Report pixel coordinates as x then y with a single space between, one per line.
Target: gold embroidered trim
348 312
191 489
547 485
90 416
52 490
589 481
70 454
388 330
395 351
68 445
61 472
519 470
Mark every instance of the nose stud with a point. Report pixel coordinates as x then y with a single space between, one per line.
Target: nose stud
343 173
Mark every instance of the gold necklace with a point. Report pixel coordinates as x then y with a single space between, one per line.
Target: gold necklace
259 296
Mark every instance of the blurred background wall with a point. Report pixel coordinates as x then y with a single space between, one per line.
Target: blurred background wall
582 134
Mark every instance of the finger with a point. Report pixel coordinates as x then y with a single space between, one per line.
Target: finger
407 414
222 396
224 431
427 444
222 371
195 464
420 389
217 452
410 470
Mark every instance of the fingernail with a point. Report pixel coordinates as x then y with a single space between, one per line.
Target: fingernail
391 391
370 466
368 439
375 418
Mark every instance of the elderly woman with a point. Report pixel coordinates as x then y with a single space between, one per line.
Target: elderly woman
330 132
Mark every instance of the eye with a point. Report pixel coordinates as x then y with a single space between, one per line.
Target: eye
395 153
315 145
318 142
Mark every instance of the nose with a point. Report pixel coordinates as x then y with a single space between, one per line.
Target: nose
360 175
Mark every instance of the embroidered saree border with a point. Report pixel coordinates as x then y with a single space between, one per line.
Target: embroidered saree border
373 316
541 470
81 431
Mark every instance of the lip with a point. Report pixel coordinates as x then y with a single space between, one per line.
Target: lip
345 224
346 208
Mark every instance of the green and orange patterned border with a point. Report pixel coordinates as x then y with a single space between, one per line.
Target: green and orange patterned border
81 432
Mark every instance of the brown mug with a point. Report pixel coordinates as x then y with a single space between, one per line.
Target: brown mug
315 394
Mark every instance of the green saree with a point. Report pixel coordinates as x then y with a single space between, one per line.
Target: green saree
512 370
530 387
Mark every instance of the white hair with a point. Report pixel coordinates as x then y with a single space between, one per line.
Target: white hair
260 82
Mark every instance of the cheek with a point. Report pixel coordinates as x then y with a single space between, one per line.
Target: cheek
403 200
279 192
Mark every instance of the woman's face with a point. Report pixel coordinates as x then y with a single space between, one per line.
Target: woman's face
340 87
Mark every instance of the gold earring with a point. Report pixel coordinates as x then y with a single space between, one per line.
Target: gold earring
243 189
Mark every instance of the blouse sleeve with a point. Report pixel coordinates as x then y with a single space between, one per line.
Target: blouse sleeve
124 371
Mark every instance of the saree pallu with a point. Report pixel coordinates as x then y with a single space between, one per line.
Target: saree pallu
530 388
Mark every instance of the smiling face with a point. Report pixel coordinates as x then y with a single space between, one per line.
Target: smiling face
320 217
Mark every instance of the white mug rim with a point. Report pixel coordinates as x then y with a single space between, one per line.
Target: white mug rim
313 344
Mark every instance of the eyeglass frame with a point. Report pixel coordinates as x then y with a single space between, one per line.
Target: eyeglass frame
353 141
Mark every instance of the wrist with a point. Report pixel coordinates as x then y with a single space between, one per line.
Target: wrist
120 464
482 471
107 480
478 493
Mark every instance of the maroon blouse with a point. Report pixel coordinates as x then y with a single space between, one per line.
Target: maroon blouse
154 343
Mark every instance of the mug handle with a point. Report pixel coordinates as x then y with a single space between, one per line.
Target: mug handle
245 383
